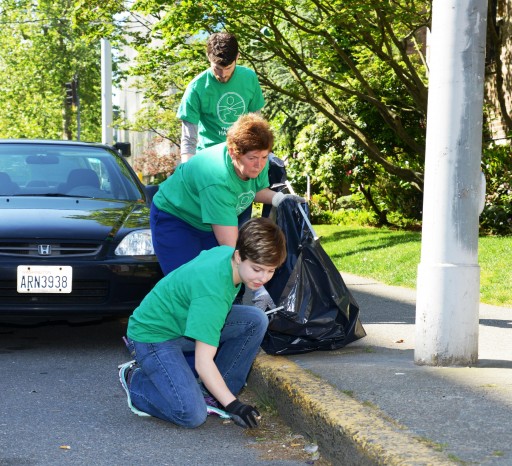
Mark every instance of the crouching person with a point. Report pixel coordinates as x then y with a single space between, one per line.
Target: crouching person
191 310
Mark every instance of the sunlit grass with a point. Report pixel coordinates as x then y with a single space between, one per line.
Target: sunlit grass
392 257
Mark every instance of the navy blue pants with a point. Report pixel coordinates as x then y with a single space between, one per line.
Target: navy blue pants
176 242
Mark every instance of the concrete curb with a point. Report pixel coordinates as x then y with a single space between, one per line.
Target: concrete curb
347 432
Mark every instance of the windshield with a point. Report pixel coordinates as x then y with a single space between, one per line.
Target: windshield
62 170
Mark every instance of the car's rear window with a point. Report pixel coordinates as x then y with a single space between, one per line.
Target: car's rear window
46 169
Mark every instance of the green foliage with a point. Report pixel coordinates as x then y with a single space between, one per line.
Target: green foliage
98 20
319 155
349 62
353 210
349 211
41 50
496 217
336 165
154 119
359 217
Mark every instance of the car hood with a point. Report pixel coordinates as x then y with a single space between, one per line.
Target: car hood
70 218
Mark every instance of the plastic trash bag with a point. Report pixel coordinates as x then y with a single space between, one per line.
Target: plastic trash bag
276 177
318 311
295 228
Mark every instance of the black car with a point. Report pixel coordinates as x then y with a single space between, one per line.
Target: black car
74 231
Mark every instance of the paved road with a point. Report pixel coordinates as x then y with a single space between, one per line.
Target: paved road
59 388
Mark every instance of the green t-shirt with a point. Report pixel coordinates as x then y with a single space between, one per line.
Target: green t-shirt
206 190
192 301
214 106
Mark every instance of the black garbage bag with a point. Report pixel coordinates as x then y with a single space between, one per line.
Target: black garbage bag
318 311
296 230
277 179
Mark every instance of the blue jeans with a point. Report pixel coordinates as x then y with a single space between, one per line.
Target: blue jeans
165 385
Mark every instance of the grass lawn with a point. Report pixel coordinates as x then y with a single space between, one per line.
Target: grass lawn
392 257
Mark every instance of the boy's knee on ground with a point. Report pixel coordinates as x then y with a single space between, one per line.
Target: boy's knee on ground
191 419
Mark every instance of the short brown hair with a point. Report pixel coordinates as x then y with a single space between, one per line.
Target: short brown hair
222 48
250 132
261 241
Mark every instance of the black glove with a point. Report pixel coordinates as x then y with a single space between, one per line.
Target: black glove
243 415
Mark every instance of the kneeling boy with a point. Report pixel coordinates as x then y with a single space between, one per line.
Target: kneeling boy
191 310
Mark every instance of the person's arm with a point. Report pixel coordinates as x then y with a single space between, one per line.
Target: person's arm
210 375
243 415
225 235
264 196
188 140
267 196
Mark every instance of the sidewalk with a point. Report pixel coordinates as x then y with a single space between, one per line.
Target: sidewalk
368 403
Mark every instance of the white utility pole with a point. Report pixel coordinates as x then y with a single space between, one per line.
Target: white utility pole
107 132
448 291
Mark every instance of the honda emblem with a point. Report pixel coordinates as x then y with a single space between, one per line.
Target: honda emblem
44 250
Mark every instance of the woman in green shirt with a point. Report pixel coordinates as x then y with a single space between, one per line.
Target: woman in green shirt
197 207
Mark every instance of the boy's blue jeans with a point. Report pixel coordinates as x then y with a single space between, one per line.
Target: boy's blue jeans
165 385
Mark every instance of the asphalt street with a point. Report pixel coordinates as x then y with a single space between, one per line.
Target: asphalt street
62 404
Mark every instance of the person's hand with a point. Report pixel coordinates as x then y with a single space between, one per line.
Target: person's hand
262 299
243 415
280 197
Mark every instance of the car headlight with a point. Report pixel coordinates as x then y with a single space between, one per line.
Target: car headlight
136 243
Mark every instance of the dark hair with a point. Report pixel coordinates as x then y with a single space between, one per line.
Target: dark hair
250 132
222 48
261 241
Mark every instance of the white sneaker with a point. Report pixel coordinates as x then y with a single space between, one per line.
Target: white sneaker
124 370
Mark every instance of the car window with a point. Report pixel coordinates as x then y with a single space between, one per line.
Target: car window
46 169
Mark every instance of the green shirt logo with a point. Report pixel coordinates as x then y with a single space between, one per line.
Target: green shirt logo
229 107
244 201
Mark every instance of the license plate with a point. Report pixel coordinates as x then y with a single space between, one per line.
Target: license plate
45 278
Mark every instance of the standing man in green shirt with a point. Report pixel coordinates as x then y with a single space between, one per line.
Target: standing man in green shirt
217 97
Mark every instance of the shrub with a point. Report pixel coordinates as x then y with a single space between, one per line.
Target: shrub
496 217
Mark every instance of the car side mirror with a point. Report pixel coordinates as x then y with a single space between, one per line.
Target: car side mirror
151 190
124 148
